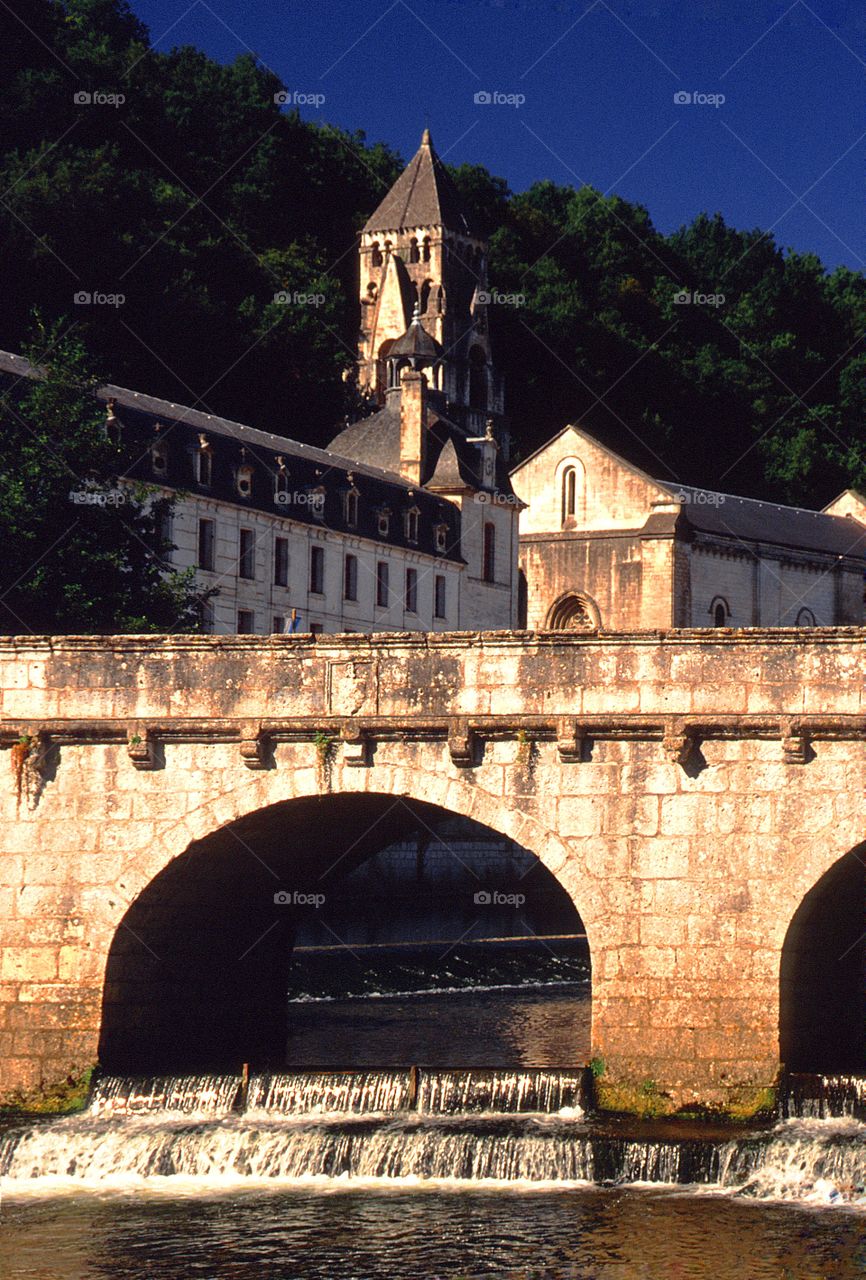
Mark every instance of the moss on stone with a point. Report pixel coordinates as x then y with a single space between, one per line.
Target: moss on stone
58 1099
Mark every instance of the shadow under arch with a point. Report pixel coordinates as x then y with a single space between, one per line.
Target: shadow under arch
198 970
822 997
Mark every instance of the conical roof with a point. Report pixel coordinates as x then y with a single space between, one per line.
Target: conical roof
423 196
416 341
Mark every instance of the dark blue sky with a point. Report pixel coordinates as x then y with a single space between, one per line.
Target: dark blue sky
785 149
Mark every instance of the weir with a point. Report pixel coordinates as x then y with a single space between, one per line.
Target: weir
469 1127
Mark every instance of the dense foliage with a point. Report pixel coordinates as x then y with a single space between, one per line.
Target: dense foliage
82 553
198 198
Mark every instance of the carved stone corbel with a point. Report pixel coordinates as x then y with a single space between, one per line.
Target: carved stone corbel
461 744
355 745
795 743
141 748
678 744
254 746
570 739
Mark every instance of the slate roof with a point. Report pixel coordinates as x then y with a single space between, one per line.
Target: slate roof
750 520
308 467
424 195
376 440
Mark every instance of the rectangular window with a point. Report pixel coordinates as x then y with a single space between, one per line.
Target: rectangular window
166 540
350 578
281 562
489 565
278 624
411 590
317 570
382 584
247 554
205 544
246 622
439 596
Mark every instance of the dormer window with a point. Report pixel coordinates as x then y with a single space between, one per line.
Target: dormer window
350 507
317 502
383 522
203 463
159 458
440 534
410 524
244 480
281 482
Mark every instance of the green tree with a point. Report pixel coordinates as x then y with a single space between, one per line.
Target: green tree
83 553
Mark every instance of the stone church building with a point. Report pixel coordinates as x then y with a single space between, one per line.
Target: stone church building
603 545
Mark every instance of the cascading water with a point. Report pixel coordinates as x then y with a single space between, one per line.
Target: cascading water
525 1127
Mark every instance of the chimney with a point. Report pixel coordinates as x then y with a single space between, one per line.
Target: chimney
413 426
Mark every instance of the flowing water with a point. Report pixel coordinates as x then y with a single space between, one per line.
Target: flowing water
423 1174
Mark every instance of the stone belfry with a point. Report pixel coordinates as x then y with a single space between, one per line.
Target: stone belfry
423 280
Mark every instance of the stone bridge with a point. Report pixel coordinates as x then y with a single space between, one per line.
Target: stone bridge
698 794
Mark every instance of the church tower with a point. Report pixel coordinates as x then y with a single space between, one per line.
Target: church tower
423 281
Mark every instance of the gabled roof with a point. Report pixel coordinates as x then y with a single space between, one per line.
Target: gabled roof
424 195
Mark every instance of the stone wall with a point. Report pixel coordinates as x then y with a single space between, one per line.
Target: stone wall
687 789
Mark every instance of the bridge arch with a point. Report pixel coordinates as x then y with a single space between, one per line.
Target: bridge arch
822 981
203 921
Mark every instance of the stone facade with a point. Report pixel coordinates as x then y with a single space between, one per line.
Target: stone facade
692 792
603 544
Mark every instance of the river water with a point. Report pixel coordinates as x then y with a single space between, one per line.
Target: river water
433 1125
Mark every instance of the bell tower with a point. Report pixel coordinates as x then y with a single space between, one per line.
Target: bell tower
421 265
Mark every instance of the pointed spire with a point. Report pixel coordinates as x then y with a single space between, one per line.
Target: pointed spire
423 196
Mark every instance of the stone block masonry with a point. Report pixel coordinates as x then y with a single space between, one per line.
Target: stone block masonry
691 790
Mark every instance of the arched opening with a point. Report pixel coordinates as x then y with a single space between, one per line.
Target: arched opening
822 1018
572 494
382 369
719 611
414 252
573 612
477 379
262 942
375 254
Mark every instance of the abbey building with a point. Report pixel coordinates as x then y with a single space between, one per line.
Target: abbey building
409 518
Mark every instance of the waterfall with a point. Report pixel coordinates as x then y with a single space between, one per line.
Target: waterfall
465 1126
813 1097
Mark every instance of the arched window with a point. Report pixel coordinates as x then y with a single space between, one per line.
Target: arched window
806 618
203 463
414 255
411 523
159 458
488 566
477 379
719 611
425 295
350 507
281 482
375 255
372 293
425 249
573 612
